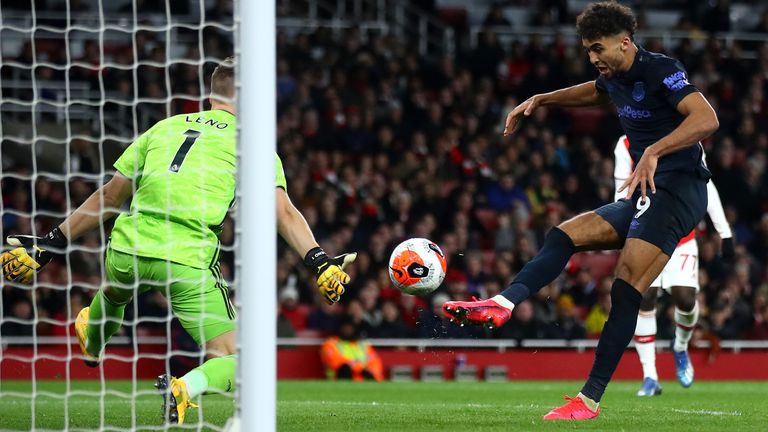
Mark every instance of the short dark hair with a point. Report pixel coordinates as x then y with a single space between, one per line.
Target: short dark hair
223 79
606 18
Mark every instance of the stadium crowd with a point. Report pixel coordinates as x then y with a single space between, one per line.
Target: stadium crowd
380 144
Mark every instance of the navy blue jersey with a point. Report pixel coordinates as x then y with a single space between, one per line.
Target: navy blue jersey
646 98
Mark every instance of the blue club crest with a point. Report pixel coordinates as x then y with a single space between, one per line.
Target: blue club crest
638 92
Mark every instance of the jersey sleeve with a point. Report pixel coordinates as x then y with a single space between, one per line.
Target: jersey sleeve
131 162
279 174
673 78
600 85
716 212
622 165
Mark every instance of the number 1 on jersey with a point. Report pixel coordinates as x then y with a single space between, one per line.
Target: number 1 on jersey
191 135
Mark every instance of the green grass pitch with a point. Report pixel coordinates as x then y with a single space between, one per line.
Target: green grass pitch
343 406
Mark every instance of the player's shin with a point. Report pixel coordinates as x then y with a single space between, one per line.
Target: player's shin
543 268
216 374
104 320
685 324
616 335
645 343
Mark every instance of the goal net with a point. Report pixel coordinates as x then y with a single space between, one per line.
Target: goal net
80 81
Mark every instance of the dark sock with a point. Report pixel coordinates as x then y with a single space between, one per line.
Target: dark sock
617 333
543 268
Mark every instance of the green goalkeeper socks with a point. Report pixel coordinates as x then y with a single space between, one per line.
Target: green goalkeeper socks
98 333
216 374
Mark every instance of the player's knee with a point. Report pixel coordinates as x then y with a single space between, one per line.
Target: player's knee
115 296
684 298
624 272
222 345
559 238
649 300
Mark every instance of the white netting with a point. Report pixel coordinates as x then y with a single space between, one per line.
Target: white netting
80 80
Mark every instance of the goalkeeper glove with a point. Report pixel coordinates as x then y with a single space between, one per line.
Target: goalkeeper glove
330 272
30 255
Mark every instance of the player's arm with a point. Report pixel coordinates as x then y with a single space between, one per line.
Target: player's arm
585 94
292 226
700 122
717 215
31 253
101 206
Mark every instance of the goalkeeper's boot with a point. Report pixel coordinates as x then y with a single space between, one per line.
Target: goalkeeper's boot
684 368
175 398
575 409
477 312
650 387
81 329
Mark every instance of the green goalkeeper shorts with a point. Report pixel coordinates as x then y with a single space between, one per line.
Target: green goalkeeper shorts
199 297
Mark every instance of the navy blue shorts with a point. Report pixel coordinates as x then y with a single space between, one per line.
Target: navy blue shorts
667 216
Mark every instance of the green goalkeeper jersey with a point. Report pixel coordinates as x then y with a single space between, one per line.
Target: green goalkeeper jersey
183 170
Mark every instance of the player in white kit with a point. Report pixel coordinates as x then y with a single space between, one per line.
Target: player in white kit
680 279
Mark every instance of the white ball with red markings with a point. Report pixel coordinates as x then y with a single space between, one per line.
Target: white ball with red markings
417 266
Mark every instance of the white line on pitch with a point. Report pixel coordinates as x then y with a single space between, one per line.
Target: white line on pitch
708 412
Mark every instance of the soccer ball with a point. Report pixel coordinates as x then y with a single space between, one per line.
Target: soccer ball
417 266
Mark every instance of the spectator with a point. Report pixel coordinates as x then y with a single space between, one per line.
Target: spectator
523 326
567 325
495 17
290 309
505 195
391 326
347 356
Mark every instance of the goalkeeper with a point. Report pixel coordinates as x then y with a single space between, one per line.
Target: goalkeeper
181 174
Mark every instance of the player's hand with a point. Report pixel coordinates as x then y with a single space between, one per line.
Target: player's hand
642 176
524 109
331 277
30 255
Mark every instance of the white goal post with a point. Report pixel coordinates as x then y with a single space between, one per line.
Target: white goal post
80 80
257 371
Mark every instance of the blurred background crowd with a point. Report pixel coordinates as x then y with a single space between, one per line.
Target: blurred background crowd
381 142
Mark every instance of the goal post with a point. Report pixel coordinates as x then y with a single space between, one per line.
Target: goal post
79 82
257 372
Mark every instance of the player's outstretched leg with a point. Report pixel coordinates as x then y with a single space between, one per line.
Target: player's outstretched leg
96 324
216 374
587 231
645 343
537 273
686 317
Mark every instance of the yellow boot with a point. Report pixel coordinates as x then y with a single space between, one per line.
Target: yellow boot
81 329
176 401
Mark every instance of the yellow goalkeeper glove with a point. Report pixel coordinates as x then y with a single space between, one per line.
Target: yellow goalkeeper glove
330 272
30 255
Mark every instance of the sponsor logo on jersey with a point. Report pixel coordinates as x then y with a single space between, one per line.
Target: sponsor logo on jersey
676 81
628 112
638 92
